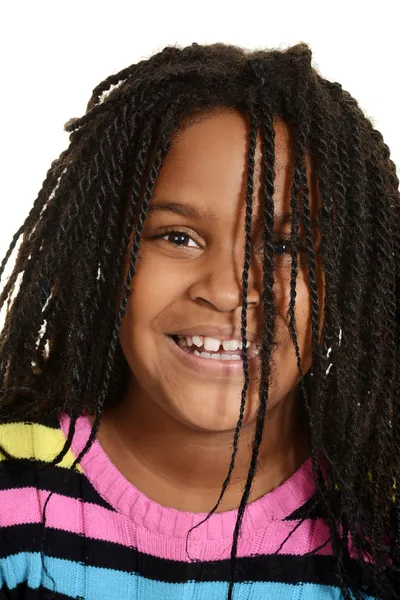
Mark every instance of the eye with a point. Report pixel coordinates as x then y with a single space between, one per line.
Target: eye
283 245
178 238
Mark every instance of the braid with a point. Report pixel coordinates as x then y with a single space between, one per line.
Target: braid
268 332
245 279
246 269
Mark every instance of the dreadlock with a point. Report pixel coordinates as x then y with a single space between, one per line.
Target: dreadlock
60 349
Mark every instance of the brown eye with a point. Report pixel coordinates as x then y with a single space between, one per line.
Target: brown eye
179 238
283 247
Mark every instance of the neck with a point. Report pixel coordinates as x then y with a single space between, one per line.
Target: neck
184 468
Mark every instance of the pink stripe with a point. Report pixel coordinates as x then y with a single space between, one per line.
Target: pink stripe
68 514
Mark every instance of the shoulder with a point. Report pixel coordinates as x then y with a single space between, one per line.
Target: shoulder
25 448
33 440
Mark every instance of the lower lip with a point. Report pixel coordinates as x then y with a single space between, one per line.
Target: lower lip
209 366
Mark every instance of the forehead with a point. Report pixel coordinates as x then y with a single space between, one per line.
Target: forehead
208 160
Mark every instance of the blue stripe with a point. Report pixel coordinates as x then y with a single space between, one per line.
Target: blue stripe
102 584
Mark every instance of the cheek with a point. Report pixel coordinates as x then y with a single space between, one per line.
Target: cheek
152 293
302 316
156 290
285 375
282 294
286 357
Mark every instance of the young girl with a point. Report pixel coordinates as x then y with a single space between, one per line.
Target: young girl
200 359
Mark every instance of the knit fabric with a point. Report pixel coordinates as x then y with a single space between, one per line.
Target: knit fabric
105 540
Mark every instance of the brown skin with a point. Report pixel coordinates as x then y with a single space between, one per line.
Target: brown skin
172 433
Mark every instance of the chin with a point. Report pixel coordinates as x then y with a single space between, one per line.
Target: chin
214 414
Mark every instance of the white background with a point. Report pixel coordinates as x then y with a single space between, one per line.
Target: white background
52 54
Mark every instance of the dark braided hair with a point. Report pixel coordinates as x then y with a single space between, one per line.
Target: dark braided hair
60 348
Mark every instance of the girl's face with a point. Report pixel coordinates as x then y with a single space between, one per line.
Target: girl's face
188 281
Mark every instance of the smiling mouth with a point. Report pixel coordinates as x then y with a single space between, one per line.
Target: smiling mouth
213 349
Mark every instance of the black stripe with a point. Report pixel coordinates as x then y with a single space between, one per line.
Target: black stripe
50 421
18 474
282 568
24 592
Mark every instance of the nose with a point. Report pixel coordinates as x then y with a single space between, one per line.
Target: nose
219 284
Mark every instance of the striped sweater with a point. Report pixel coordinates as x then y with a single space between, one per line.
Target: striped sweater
105 540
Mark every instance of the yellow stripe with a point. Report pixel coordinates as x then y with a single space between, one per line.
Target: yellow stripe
34 441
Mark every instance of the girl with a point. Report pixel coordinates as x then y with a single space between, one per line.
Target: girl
200 358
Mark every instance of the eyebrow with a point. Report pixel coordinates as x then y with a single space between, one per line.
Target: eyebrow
183 209
282 218
285 218
192 211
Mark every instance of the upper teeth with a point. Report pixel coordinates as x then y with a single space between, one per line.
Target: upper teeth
213 344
